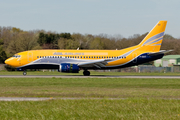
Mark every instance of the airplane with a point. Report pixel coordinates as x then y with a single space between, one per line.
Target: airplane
72 61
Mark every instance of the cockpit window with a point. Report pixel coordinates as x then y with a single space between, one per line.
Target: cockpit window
17 56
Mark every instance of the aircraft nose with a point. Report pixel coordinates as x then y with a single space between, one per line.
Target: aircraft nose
7 61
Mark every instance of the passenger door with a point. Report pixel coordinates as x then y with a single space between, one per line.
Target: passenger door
30 56
134 56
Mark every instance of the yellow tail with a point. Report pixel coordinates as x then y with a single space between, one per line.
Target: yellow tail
152 42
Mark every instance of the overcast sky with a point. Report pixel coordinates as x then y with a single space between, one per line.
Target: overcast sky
112 17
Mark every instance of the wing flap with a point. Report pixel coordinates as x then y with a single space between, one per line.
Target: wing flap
97 63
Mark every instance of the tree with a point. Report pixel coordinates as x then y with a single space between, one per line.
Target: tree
22 42
97 43
3 55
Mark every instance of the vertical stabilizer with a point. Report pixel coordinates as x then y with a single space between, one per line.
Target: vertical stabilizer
152 42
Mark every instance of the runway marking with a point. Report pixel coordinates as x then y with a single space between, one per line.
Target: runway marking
23 99
44 99
93 76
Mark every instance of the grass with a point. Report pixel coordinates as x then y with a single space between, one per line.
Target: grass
92 73
151 99
128 109
90 87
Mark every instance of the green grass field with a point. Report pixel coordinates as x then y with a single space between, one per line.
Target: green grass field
90 87
138 98
128 109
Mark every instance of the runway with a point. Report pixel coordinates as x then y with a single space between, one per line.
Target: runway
23 99
93 76
44 99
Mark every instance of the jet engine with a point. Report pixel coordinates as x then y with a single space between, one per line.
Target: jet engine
69 68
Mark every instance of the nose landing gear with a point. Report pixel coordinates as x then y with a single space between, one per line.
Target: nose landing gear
24 72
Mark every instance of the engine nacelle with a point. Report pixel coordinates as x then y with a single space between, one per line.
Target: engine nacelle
70 68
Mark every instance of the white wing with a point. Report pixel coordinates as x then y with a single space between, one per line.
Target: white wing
96 63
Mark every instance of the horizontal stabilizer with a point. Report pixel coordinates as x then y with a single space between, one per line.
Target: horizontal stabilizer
160 52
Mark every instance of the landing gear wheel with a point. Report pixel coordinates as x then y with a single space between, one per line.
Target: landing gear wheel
24 73
86 73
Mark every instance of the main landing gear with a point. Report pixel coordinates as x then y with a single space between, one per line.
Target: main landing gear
86 73
24 72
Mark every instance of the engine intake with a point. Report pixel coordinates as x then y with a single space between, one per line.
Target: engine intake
69 68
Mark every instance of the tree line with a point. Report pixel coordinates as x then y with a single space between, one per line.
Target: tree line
14 40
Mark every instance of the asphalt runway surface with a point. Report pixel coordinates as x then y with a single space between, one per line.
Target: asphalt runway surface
81 76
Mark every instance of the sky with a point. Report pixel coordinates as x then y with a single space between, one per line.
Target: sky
111 17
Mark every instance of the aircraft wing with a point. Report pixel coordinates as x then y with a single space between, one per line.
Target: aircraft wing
96 63
160 52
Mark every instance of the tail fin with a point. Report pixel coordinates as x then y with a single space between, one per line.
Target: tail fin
152 41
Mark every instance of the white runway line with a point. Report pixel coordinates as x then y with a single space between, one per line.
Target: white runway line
93 76
23 99
44 99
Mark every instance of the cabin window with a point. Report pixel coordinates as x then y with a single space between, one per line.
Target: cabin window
37 56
